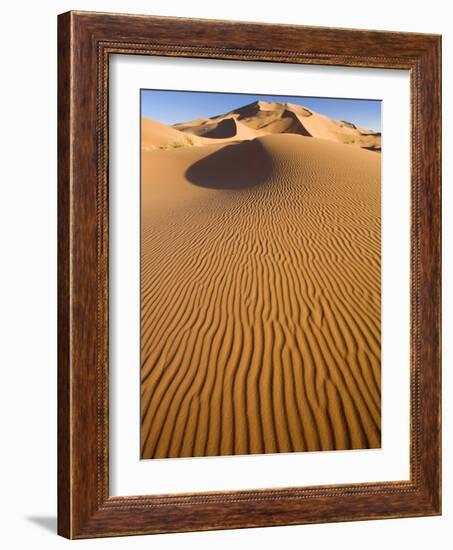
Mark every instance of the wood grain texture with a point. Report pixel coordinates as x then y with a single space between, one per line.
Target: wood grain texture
85 42
64 390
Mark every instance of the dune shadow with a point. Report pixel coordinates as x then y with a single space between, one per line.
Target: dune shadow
224 129
237 166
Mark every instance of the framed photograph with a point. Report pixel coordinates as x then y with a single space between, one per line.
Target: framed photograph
249 275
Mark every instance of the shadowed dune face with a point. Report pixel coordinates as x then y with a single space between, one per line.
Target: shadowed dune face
260 285
236 166
224 129
287 123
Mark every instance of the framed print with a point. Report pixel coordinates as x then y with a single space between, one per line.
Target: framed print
249 275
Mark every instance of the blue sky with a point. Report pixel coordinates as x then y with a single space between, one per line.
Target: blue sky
170 107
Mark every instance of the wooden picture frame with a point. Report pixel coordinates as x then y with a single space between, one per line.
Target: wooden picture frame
85 42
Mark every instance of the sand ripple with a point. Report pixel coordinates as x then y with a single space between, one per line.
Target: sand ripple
260 298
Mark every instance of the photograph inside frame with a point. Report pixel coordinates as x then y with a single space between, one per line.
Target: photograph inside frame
260 270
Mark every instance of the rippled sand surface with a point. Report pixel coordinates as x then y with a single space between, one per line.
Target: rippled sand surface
260 281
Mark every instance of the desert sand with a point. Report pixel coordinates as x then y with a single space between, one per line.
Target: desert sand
260 281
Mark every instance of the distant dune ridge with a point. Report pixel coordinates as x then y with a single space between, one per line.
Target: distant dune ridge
258 119
260 284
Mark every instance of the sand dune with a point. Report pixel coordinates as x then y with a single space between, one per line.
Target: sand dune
156 135
224 129
260 294
261 118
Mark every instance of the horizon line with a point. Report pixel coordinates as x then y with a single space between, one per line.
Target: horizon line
368 115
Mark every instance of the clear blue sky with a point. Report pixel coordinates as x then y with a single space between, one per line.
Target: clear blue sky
171 107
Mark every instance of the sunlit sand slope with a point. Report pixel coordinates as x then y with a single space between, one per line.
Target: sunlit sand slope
156 135
260 298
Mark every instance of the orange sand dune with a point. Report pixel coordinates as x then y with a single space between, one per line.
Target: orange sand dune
260 297
261 118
